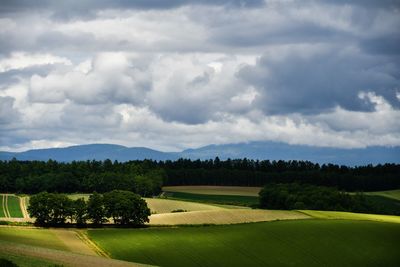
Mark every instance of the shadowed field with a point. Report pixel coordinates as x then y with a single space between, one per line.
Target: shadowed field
282 243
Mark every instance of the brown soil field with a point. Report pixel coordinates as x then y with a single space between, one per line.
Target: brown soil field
215 190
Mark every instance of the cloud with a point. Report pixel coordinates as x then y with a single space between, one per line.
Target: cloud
320 81
19 61
177 74
111 79
8 114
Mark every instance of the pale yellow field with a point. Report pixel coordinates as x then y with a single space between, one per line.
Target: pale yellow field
215 190
351 216
158 205
76 196
227 216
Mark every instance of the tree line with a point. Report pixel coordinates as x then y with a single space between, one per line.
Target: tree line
296 196
146 177
124 207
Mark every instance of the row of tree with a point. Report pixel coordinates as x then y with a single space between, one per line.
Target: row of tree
124 207
146 177
296 196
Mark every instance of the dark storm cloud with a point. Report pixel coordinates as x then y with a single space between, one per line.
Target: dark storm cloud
385 45
318 83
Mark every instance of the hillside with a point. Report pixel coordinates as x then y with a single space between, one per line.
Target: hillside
251 150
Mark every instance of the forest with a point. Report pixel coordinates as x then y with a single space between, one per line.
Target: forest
147 177
310 197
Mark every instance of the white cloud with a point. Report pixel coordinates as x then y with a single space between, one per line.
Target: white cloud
21 60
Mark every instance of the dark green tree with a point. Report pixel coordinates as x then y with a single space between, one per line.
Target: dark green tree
95 209
50 208
80 211
126 207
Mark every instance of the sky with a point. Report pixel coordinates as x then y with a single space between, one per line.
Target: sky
178 74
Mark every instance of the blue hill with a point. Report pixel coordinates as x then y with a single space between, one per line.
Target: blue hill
252 150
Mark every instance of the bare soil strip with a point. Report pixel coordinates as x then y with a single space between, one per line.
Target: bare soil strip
63 257
73 242
215 190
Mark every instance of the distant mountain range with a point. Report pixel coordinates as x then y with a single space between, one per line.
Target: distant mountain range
252 150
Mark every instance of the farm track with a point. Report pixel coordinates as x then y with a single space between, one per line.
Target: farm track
5 206
22 203
73 241
92 245
63 257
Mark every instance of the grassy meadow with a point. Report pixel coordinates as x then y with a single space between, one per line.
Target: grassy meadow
25 261
282 243
393 194
39 237
339 215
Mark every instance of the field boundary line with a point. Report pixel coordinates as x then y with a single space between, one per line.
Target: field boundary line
85 238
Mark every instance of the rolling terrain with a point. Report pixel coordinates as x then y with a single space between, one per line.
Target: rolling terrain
250 150
219 235
282 243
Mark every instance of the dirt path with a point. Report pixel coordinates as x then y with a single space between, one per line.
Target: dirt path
63 257
92 245
5 206
73 242
22 204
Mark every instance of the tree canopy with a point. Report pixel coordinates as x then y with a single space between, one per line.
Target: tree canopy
124 207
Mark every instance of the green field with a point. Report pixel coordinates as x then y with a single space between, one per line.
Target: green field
217 199
351 216
10 204
14 207
31 236
24 261
283 243
1 207
394 194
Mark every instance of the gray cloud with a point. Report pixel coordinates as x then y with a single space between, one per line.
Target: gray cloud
178 74
320 82
8 114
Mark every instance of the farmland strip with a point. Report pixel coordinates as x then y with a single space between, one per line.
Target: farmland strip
64 257
2 205
6 211
22 204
